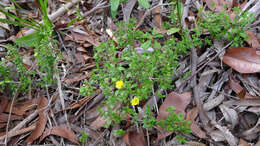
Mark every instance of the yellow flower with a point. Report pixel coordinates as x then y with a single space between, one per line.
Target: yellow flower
119 84
135 101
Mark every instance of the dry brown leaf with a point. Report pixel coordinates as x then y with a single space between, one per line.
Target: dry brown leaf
40 125
76 78
242 93
81 49
2 125
243 143
82 58
237 88
157 17
253 41
191 116
3 103
133 138
19 108
243 60
61 131
179 101
84 37
4 117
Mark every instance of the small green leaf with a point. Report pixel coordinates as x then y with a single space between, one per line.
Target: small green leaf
173 30
146 45
144 3
30 40
114 6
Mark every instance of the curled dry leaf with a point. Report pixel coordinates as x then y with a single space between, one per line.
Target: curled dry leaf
61 131
230 115
229 137
243 60
40 125
133 138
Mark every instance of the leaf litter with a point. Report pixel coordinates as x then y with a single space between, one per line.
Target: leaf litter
228 115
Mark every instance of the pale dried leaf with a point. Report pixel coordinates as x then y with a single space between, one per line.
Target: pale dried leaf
127 9
213 103
232 141
217 135
230 115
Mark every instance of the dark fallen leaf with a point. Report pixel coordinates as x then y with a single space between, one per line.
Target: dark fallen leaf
40 125
61 131
243 60
133 138
3 103
242 93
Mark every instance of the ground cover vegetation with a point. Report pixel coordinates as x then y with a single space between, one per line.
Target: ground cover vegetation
132 81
